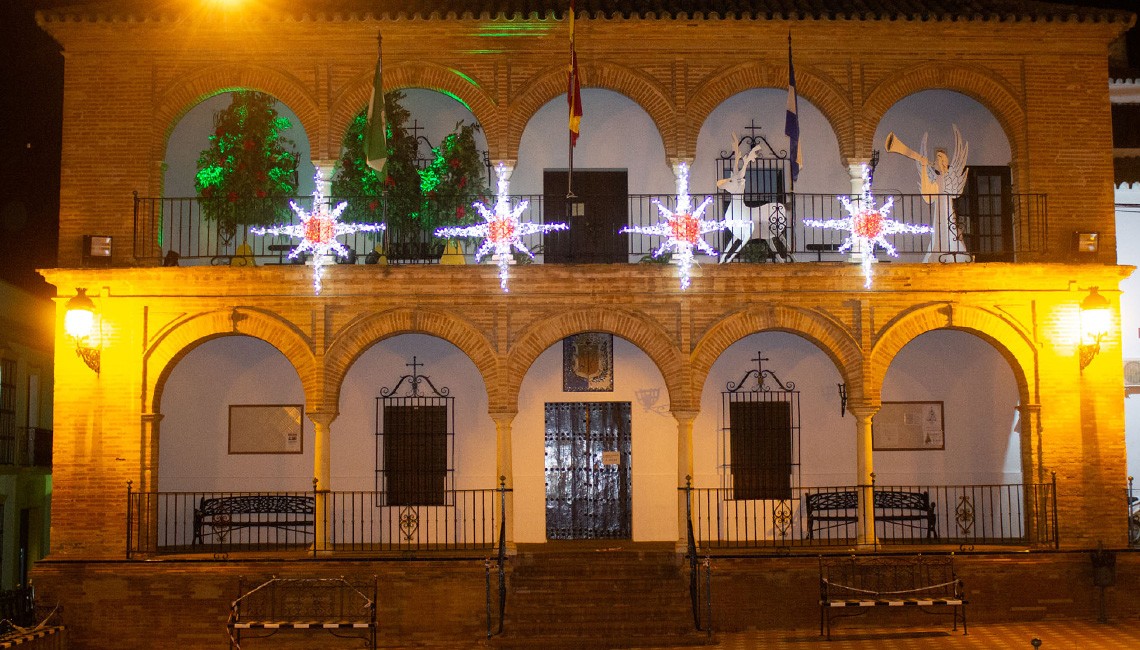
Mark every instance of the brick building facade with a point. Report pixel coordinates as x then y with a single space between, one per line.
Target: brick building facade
132 72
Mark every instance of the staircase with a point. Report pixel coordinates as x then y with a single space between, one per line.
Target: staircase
598 594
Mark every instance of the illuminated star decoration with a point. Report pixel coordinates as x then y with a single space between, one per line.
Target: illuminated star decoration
502 231
868 225
683 229
318 231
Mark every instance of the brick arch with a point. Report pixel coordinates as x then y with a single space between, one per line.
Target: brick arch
645 91
187 333
837 342
1010 340
638 329
366 331
416 74
177 99
828 97
974 81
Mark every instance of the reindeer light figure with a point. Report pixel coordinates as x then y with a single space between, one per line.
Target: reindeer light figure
749 221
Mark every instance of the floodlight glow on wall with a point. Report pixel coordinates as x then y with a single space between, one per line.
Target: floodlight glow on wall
79 323
1096 318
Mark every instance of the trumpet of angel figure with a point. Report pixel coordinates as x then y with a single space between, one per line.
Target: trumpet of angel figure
940 181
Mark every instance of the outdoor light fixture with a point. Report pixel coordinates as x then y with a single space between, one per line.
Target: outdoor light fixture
1096 316
79 323
96 251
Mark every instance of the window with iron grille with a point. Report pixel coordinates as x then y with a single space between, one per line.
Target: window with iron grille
761 449
415 454
760 429
7 411
415 442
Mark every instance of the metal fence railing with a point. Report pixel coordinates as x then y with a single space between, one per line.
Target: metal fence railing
1132 499
223 522
959 515
175 228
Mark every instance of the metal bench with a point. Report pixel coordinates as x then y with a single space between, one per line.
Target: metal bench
216 517
344 609
863 582
826 510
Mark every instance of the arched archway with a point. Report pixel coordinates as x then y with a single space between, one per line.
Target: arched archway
829 98
363 333
430 76
203 445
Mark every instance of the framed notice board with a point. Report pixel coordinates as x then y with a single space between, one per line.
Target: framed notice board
909 426
266 428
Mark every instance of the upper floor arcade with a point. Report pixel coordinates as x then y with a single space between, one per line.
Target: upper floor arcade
131 77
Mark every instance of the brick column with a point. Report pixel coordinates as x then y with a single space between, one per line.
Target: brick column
504 468
855 171
327 169
148 478
865 473
322 475
685 421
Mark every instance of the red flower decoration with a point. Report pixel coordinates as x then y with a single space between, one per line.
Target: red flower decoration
460 212
208 192
373 205
261 194
319 230
868 224
454 163
390 182
501 230
685 228
247 144
232 197
462 182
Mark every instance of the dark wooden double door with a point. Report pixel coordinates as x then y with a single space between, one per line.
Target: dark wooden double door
588 479
596 215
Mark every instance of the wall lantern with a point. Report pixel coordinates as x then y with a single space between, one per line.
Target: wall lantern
1096 317
79 323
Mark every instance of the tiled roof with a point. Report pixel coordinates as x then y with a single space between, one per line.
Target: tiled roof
921 10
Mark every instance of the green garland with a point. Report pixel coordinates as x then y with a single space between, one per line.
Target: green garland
247 166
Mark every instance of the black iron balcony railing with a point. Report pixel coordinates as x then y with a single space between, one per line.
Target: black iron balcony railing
990 228
27 447
1132 499
958 515
358 522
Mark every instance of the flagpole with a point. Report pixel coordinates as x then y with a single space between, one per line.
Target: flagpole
573 99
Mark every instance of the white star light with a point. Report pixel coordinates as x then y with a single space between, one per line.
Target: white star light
684 229
502 229
318 231
868 225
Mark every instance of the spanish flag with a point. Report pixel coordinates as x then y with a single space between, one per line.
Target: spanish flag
574 87
376 133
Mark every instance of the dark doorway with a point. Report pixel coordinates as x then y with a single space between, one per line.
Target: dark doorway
595 215
985 214
589 486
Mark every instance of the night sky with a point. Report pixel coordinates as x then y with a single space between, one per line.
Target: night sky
31 96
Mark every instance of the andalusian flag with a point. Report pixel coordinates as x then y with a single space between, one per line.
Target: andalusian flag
574 87
376 133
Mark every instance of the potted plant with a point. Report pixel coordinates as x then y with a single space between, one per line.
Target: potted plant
415 196
249 170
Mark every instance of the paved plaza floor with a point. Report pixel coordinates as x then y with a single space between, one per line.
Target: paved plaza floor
1053 635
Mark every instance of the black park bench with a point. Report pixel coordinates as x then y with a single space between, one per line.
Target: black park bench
215 518
857 583
827 510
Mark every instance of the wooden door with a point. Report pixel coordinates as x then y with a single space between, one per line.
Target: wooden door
985 214
596 215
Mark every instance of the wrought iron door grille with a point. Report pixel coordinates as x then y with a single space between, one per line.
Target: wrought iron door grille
588 477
